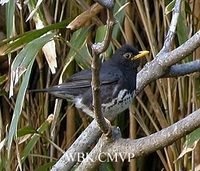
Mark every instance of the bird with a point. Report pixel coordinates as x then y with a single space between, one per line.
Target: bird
117 83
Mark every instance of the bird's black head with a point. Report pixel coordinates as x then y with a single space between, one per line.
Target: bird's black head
128 56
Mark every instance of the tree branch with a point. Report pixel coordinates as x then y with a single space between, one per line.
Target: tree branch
172 28
183 69
97 49
87 163
81 144
139 147
157 68
151 71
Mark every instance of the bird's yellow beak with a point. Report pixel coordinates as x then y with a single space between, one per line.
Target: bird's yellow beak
140 55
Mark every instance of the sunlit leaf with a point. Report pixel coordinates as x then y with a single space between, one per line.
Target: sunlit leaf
2 144
34 10
2 2
169 8
23 59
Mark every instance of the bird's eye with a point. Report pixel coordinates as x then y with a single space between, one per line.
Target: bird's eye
127 55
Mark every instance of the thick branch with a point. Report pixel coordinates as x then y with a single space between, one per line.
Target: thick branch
139 147
88 136
157 140
183 69
87 163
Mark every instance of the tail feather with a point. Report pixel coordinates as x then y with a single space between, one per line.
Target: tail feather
54 91
39 90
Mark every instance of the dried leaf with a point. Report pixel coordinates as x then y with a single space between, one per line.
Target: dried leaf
48 49
84 17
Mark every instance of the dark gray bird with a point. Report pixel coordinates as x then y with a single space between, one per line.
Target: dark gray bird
117 81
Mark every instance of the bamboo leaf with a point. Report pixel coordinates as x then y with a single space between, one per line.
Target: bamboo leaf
24 131
35 138
12 44
10 10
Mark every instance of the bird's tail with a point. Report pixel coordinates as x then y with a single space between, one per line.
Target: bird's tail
54 91
44 90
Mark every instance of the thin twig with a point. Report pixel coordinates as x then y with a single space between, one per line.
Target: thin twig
172 28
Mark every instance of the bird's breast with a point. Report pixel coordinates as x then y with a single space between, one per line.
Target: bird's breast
116 105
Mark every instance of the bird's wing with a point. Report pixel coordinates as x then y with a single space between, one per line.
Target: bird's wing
80 82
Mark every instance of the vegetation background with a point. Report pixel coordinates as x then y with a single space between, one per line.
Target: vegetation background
33 139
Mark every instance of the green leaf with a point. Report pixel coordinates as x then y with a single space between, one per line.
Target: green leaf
169 7
100 33
13 44
34 140
193 137
3 79
79 50
26 130
108 166
23 59
3 92
18 107
182 29
191 141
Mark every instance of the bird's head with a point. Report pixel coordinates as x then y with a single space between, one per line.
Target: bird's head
128 56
